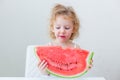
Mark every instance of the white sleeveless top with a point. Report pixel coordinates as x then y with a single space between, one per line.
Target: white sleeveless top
50 44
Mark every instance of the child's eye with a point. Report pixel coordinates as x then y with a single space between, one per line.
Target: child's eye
67 28
57 27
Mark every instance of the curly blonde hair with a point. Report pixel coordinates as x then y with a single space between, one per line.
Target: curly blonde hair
68 12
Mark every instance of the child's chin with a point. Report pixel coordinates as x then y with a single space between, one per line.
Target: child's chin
62 40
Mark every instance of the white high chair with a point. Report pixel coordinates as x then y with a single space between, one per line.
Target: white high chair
31 69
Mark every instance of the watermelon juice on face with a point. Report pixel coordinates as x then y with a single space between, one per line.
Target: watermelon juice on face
63 29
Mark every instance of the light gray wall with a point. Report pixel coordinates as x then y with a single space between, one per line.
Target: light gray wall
25 22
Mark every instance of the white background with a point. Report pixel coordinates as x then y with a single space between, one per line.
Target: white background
25 22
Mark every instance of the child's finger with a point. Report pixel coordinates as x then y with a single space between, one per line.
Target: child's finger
91 61
44 69
41 63
44 66
90 66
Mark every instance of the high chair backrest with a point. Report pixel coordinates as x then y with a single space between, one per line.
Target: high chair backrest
31 68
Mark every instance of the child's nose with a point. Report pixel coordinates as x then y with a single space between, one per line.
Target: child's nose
62 30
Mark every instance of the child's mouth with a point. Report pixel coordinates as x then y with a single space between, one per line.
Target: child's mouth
62 36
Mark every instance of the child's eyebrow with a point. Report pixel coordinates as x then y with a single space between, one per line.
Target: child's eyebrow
67 25
57 25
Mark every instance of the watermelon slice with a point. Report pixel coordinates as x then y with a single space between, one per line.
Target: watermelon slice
65 62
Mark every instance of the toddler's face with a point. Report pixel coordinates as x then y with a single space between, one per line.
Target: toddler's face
63 28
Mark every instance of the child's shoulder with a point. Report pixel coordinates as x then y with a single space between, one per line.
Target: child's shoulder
49 44
76 45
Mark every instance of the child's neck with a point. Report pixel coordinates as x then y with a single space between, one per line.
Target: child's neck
63 44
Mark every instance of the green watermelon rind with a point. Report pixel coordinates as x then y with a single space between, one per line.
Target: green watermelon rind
36 54
77 75
90 56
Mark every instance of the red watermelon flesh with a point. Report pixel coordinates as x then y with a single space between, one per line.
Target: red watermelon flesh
67 62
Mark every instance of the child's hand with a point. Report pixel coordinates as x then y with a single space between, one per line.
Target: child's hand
42 65
90 65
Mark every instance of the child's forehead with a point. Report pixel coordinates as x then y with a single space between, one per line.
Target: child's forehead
66 17
63 20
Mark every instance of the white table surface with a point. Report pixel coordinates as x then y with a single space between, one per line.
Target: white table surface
48 78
